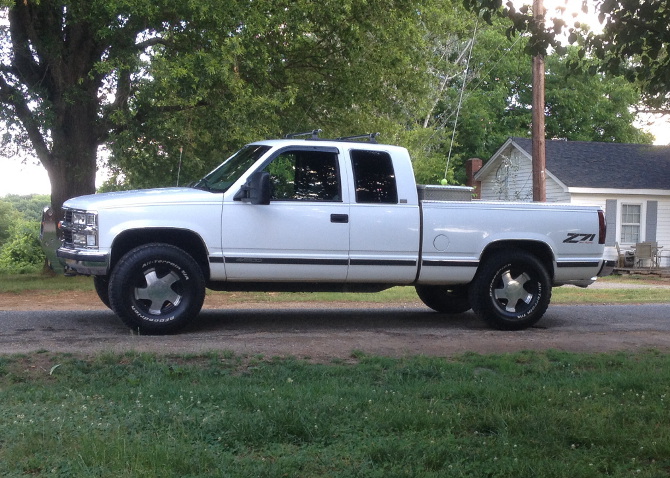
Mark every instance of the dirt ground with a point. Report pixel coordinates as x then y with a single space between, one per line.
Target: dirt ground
88 300
324 331
77 300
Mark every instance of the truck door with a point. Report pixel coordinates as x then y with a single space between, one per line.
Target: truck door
303 234
384 226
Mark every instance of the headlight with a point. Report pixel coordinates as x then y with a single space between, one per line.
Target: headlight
80 229
83 219
85 240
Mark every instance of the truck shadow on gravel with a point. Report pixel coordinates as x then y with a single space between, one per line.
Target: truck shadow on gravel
311 320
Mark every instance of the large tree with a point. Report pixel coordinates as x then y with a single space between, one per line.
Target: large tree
344 66
578 106
76 73
634 40
61 59
496 102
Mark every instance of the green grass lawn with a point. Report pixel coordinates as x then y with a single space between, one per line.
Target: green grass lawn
548 414
545 414
561 295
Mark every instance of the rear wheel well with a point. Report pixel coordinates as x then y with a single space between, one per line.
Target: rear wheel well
538 249
188 241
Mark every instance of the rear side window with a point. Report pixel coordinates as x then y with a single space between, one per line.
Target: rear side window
374 177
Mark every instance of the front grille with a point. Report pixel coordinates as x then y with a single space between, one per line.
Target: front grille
66 231
67 238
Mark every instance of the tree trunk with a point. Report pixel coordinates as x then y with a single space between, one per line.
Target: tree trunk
72 162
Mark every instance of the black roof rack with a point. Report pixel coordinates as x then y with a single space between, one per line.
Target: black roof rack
371 137
314 134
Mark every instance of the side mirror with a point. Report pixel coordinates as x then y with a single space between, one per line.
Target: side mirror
256 189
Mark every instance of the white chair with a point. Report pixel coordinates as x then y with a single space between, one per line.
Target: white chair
644 251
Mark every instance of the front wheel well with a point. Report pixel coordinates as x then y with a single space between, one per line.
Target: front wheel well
188 241
540 250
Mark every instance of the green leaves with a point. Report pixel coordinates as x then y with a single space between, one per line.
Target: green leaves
634 40
266 68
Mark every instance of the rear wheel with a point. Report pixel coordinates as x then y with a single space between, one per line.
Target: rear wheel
445 299
511 290
157 289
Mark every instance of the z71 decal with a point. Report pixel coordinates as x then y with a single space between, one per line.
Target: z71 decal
574 238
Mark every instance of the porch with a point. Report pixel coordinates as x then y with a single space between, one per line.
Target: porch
643 257
660 272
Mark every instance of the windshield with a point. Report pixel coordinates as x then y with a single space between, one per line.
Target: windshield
231 169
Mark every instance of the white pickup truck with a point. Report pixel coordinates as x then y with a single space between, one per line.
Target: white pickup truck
335 215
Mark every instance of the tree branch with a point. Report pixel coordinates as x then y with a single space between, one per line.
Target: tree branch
151 42
15 99
24 64
654 111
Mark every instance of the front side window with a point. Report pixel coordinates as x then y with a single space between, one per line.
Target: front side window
231 169
374 177
631 215
299 175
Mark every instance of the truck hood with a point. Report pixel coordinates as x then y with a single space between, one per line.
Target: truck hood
142 197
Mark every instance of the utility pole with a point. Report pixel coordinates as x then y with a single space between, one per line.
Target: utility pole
538 149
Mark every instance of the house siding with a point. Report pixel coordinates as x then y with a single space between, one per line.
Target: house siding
556 192
657 207
663 230
512 180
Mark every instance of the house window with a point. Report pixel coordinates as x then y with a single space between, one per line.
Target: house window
631 215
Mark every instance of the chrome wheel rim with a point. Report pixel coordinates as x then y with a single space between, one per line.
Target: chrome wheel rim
512 294
158 293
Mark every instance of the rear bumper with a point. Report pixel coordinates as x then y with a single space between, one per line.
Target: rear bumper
607 268
610 259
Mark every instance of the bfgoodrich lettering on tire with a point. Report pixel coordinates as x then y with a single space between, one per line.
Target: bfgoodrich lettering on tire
156 289
511 290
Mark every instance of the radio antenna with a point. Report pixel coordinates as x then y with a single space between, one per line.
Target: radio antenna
181 151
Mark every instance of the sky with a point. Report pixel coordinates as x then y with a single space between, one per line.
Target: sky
29 177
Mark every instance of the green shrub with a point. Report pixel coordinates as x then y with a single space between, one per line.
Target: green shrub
8 215
22 252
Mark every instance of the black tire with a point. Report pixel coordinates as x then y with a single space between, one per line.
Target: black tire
101 284
156 289
511 290
444 298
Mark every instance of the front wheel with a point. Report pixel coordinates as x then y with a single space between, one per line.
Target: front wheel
511 291
101 284
156 289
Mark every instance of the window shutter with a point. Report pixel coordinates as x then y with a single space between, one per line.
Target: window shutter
610 217
652 221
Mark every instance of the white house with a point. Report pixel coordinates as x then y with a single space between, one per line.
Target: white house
630 181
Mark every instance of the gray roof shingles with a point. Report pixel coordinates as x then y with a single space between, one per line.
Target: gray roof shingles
606 165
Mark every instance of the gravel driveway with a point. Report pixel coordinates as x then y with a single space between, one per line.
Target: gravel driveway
77 322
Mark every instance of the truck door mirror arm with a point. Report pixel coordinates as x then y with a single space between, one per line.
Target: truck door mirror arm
256 189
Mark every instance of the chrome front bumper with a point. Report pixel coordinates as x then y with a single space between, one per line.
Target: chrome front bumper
83 262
